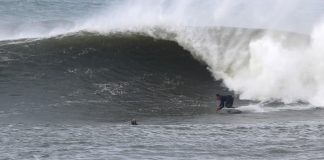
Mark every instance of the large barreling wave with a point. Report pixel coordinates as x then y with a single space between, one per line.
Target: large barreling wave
268 64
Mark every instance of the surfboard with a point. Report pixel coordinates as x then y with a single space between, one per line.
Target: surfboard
230 111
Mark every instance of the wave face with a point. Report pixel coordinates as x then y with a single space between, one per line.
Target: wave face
258 64
114 76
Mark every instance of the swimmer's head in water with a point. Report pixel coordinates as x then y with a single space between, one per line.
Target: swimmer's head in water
134 122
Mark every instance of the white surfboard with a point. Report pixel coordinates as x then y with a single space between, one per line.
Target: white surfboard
230 111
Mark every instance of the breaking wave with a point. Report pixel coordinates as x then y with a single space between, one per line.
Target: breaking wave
257 64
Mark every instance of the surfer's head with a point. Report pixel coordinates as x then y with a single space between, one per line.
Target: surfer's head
218 96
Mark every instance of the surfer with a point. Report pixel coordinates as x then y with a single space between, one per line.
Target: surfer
225 101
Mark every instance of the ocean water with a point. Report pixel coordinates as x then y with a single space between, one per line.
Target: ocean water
74 73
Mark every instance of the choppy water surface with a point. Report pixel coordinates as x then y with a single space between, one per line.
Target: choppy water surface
159 139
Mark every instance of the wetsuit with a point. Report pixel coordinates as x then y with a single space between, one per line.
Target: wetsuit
226 101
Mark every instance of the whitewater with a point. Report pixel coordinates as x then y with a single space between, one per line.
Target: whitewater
74 73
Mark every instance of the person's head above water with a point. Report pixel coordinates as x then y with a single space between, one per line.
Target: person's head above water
134 122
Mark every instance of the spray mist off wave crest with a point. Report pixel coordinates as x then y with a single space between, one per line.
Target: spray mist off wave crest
258 64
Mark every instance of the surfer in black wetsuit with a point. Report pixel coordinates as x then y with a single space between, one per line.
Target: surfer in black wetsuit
225 101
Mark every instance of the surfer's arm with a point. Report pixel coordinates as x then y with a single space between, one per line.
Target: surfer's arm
221 106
